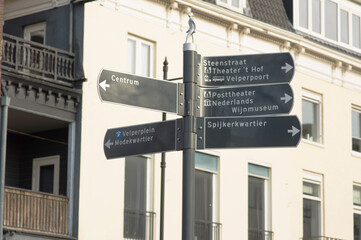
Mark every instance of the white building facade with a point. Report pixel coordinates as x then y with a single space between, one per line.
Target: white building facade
312 191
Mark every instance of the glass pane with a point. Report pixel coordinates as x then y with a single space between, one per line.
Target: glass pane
331 30
357 195
135 197
356 130
46 181
131 56
256 206
145 60
235 3
310 121
37 36
206 162
316 16
311 218
303 13
258 170
135 191
311 189
203 205
344 26
357 226
356 31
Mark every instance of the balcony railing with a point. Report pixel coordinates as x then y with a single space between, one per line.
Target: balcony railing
139 225
255 234
207 230
37 60
320 238
32 211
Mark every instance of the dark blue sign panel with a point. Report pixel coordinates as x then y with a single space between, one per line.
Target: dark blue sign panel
247 101
143 139
247 69
138 91
248 132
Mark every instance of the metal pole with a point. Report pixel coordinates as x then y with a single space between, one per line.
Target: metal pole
190 84
163 165
5 102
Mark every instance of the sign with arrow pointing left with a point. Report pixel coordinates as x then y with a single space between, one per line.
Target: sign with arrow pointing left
247 69
246 101
248 132
143 139
138 91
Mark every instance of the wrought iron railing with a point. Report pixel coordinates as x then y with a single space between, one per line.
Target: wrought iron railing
320 238
37 60
255 234
34 211
205 230
139 225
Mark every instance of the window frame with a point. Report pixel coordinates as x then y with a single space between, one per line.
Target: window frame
347 6
29 29
228 4
356 208
216 184
314 178
357 109
316 98
45 161
267 193
138 55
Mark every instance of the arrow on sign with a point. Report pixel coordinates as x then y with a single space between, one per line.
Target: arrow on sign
286 98
108 144
294 131
104 85
287 67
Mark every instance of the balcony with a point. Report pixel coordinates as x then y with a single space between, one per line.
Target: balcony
139 225
255 234
37 60
30 211
205 230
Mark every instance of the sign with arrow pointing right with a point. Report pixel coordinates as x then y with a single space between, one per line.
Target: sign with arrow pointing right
247 69
248 132
246 101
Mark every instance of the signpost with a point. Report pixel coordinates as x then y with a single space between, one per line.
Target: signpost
138 91
141 139
248 132
247 69
234 90
247 101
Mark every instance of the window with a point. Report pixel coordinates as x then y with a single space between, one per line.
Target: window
35 32
356 130
259 213
357 212
237 5
138 196
140 57
344 26
312 205
206 196
46 174
311 116
334 20
356 31
331 20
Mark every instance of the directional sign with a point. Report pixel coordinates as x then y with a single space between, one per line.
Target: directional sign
246 101
138 91
142 139
247 69
248 132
